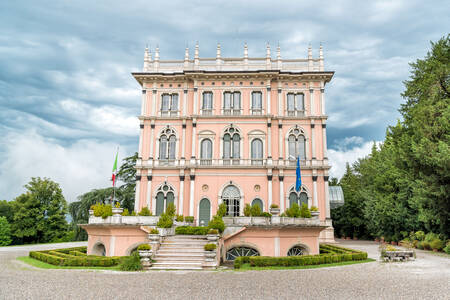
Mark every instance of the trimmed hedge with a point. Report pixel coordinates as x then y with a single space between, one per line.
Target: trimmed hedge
190 230
329 254
74 257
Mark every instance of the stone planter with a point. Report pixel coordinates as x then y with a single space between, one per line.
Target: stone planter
243 220
91 213
228 220
154 237
166 231
275 211
315 214
145 258
287 220
260 221
117 211
210 255
212 238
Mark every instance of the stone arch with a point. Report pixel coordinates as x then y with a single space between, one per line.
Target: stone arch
242 245
133 247
301 245
303 189
99 249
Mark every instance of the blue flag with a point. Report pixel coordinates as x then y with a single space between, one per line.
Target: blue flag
298 179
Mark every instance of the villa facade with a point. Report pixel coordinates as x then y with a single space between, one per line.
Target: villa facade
229 130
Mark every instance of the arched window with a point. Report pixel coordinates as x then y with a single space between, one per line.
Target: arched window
204 212
207 104
299 197
295 105
232 198
206 152
235 252
256 103
257 152
164 196
169 105
231 146
296 145
297 251
258 202
231 103
167 146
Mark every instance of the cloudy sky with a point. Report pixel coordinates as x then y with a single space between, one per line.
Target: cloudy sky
67 98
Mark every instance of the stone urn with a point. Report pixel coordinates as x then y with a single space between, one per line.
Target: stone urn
91 213
210 255
117 211
275 211
145 258
212 238
315 214
153 237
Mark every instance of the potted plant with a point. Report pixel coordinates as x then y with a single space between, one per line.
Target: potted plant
274 209
314 211
153 235
213 235
117 210
145 252
210 251
189 220
165 224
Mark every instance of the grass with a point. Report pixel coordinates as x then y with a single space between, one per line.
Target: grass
247 267
43 265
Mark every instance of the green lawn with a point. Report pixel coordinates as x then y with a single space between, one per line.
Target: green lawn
40 264
247 267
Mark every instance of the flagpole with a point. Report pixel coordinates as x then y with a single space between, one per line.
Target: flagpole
114 182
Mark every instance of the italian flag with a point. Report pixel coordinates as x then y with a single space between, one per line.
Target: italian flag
114 170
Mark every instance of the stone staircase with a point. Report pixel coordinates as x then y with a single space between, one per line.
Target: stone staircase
180 252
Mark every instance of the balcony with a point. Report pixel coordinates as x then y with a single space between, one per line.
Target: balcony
231 112
207 112
167 162
169 113
295 113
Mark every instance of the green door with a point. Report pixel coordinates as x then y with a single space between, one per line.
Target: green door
169 198
303 198
258 202
159 203
292 199
204 212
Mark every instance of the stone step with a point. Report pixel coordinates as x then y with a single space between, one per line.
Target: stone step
181 245
179 258
176 268
177 255
180 252
179 264
187 237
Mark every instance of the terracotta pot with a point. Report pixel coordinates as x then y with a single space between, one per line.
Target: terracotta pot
348 238
394 243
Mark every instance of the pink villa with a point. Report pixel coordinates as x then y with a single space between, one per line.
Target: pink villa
229 130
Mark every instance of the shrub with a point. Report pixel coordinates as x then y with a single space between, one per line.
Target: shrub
73 257
145 212
222 210
5 232
283 214
255 211
304 211
190 230
144 247
154 231
447 248
429 237
165 221
437 244
130 263
238 262
274 206
425 245
213 231
102 210
266 214
210 247
125 212
314 208
170 210
117 205
189 219
217 223
179 218
247 210
133 213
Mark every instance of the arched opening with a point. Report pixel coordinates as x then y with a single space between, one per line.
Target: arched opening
164 196
231 146
99 249
257 152
258 202
297 250
206 152
299 197
204 214
236 252
232 198
167 146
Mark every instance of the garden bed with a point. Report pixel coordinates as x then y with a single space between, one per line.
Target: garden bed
74 257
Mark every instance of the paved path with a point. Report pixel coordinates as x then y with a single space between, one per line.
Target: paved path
426 278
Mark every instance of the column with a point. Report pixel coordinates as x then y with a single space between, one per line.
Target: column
194 136
149 191
152 141
269 143
191 195
137 194
181 195
311 96
313 144
315 191
327 198
195 100
143 103
322 100
154 112
280 109
324 141
183 143
185 102
268 100
141 137
269 178
281 178
280 144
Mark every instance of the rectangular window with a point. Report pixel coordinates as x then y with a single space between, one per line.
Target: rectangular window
256 103
207 104
295 105
169 105
232 103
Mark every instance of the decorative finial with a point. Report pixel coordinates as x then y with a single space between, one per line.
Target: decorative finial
321 51
309 52
157 53
146 59
268 50
245 50
218 50
186 54
278 52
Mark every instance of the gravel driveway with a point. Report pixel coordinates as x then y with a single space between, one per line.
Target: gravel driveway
426 278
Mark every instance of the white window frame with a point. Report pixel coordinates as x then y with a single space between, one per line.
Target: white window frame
257 111
232 110
296 112
170 112
208 112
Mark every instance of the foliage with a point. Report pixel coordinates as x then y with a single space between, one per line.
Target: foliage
213 231
130 263
266 214
5 232
437 244
125 212
154 231
255 211
210 247
39 213
165 221
304 211
247 210
179 218
296 212
102 210
145 212
189 219
430 237
217 223
447 248
274 206
222 210
7 210
191 230
314 208
67 257
420 235
144 247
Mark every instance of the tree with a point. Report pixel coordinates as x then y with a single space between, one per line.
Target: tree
6 210
127 174
5 232
40 213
